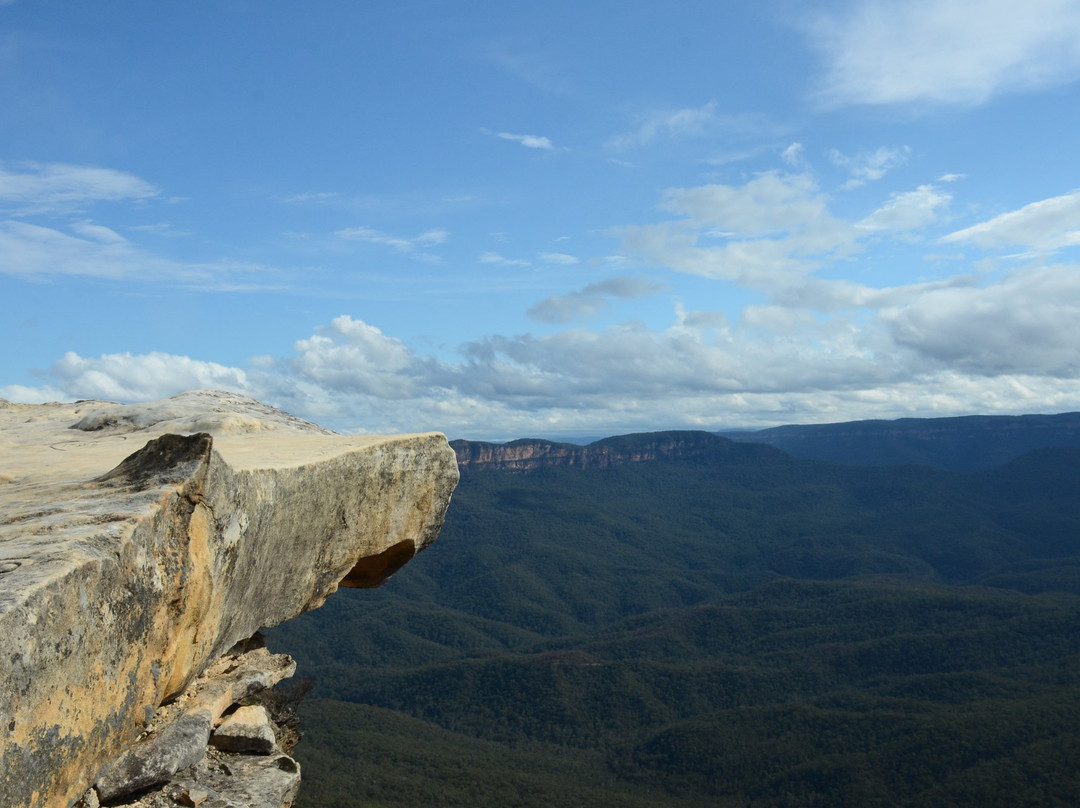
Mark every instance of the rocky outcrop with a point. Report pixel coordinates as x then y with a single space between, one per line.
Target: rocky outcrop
223 743
531 454
139 544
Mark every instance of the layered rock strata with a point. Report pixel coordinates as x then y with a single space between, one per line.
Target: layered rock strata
138 544
529 454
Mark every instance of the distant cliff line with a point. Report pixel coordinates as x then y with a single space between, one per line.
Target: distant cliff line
529 454
963 443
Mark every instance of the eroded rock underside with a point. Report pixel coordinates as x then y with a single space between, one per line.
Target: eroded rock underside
139 545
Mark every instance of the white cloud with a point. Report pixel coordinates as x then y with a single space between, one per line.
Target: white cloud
144 377
1002 347
772 233
869 166
30 250
590 300
945 51
679 123
908 210
311 197
692 122
353 357
36 188
774 227
432 237
33 395
559 258
495 258
163 229
769 203
1046 225
33 251
1026 324
528 141
369 235
794 155
98 233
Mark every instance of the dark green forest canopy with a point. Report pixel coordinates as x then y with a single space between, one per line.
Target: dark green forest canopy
743 628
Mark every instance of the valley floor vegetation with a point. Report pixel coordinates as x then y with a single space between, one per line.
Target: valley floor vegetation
745 629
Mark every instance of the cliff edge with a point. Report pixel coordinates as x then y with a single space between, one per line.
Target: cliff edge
530 454
140 543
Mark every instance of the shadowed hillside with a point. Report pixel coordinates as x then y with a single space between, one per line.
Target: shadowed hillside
968 443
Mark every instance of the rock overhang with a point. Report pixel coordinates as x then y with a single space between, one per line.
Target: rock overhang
139 543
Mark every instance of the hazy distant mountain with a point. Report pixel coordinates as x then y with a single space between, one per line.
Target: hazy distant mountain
965 443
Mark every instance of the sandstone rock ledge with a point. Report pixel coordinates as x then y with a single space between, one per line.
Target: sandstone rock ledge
138 544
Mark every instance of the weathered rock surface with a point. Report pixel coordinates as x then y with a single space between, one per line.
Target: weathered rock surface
179 745
246 730
139 543
171 764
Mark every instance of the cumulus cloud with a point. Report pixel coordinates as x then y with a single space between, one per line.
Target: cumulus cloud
590 300
353 357
36 188
758 234
944 51
1046 225
144 377
33 395
932 349
1024 324
809 347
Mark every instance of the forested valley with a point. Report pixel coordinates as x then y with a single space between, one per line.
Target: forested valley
742 628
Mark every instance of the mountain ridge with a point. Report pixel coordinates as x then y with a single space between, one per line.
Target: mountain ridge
530 454
957 443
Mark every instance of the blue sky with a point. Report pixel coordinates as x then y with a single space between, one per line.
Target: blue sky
502 219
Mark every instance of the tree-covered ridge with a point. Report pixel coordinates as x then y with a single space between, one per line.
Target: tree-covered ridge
964 443
743 629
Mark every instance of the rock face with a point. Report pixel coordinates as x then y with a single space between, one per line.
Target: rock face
531 454
140 543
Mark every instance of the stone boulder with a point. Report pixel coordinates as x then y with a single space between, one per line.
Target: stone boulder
139 543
